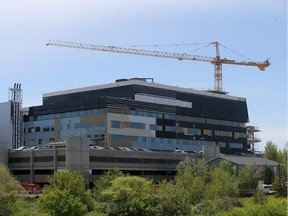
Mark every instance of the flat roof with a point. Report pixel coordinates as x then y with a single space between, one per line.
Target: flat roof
143 83
241 160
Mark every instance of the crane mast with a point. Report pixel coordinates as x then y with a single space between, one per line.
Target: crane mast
216 61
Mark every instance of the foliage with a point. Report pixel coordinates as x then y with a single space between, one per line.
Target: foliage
271 151
95 213
223 183
267 175
273 207
105 182
66 195
191 179
60 202
260 197
171 200
130 195
248 176
28 207
8 187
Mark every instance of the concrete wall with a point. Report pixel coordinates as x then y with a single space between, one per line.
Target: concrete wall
5 124
77 155
4 152
211 151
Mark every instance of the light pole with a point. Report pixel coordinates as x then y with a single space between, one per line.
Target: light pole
202 138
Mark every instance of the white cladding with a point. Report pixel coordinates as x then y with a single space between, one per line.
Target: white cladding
162 100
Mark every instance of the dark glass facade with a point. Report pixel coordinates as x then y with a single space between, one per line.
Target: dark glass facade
137 113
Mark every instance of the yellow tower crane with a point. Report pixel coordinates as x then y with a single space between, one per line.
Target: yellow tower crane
216 61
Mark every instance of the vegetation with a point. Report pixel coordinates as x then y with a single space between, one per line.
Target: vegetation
280 180
8 186
197 189
66 195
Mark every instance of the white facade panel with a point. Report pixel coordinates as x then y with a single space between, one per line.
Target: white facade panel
131 131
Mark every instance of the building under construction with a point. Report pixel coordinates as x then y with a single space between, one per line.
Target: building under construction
142 114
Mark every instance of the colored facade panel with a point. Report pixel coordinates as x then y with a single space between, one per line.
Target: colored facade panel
141 114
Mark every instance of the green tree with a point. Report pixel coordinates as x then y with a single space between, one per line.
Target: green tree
223 183
248 176
105 182
191 179
130 195
8 186
267 175
66 195
221 192
271 151
171 201
60 202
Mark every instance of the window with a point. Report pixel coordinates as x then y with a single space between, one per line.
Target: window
76 125
117 137
137 125
171 128
101 123
31 130
236 145
223 133
46 128
238 135
115 124
85 125
37 129
207 132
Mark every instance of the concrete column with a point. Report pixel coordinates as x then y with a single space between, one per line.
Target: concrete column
55 159
77 155
31 166
211 151
4 153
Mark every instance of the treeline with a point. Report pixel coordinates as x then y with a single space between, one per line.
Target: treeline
197 189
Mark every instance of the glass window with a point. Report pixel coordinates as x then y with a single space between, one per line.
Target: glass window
46 128
115 124
76 125
117 137
236 145
101 123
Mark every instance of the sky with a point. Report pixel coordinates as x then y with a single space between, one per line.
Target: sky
256 30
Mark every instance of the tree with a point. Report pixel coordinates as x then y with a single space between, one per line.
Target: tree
8 185
222 191
171 201
191 179
66 195
105 182
271 151
248 176
60 202
223 183
130 195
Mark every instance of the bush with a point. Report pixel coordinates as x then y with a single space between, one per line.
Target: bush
8 186
66 195
61 203
130 195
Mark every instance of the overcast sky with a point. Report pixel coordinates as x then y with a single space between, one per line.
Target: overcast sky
256 29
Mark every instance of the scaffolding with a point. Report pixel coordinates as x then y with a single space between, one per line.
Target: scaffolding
253 137
15 97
